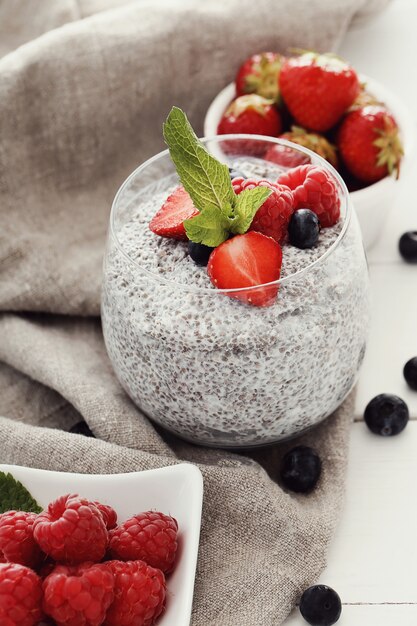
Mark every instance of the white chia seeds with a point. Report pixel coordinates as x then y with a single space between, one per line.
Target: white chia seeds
219 372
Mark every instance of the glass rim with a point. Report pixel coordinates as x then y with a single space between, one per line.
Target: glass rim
281 281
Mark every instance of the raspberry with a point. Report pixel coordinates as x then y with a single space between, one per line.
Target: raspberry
17 544
315 189
272 218
151 537
20 596
108 513
78 595
139 594
71 530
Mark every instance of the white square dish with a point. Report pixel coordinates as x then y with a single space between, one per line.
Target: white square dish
176 490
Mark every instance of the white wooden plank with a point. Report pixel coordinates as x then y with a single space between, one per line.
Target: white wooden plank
378 49
379 615
373 558
393 335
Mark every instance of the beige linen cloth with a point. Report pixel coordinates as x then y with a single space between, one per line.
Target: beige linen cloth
80 107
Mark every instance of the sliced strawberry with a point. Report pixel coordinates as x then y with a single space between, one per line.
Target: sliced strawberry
247 261
168 221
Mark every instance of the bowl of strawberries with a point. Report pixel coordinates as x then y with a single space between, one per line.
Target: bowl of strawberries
320 102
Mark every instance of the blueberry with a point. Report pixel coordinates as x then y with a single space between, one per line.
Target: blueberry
235 173
81 428
320 605
199 252
410 372
386 415
301 469
304 229
408 246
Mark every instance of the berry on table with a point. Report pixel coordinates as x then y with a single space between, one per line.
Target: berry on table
199 252
314 188
300 469
320 605
304 229
71 530
78 594
20 595
168 221
317 89
139 594
150 537
272 218
410 373
386 415
17 544
408 246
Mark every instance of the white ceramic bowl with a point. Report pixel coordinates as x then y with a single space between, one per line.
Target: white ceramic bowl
175 490
372 203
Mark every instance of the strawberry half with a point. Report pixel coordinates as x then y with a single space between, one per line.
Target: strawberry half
168 221
247 261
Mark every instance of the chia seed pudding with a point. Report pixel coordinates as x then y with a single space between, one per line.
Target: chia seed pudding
210 368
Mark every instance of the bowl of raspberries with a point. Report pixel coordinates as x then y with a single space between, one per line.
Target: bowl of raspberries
320 102
89 550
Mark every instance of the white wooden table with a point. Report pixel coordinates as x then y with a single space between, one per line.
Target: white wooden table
373 558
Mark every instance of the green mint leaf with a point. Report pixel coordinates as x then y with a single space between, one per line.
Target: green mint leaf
246 205
15 497
209 227
203 176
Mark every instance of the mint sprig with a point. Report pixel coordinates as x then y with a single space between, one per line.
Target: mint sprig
15 497
222 212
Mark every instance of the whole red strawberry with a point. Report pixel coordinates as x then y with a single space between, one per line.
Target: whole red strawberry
78 595
251 114
20 596
139 594
273 216
314 188
17 544
246 261
168 221
259 74
71 530
317 89
369 143
150 537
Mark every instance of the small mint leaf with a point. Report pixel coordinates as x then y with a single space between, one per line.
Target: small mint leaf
15 497
204 177
246 205
209 227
